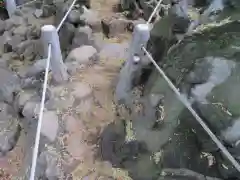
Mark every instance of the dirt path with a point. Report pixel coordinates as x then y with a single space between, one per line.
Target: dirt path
101 77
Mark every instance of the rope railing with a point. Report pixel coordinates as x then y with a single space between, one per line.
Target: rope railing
51 36
27 3
185 102
40 117
66 15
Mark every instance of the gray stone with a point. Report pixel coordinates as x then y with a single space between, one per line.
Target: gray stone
91 19
35 69
31 110
21 31
10 85
9 24
82 36
9 130
50 125
22 98
112 26
33 32
38 13
67 31
48 165
83 55
29 49
74 17
48 10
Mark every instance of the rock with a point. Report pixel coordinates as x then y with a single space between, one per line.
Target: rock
114 26
22 98
38 13
31 110
86 3
33 32
10 85
60 99
48 10
91 19
82 36
48 165
10 129
29 49
74 17
61 9
21 31
83 55
50 125
67 31
18 20
34 70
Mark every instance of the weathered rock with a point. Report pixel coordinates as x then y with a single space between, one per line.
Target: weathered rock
83 55
67 31
50 125
86 3
91 19
34 70
10 129
22 98
114 26
10 85
31 110
20 31
82 36
33 32
38 13
74 17
48 165
48 10
29 49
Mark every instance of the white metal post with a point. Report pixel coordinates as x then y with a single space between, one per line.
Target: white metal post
140 38
141 35
10 6
50 36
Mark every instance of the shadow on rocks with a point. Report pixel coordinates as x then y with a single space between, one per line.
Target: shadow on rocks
132 156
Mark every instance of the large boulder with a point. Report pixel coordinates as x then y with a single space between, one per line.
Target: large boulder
10 85
10 129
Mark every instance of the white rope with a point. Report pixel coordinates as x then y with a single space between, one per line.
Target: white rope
154 12
30 2
66 15
40 117
200 121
